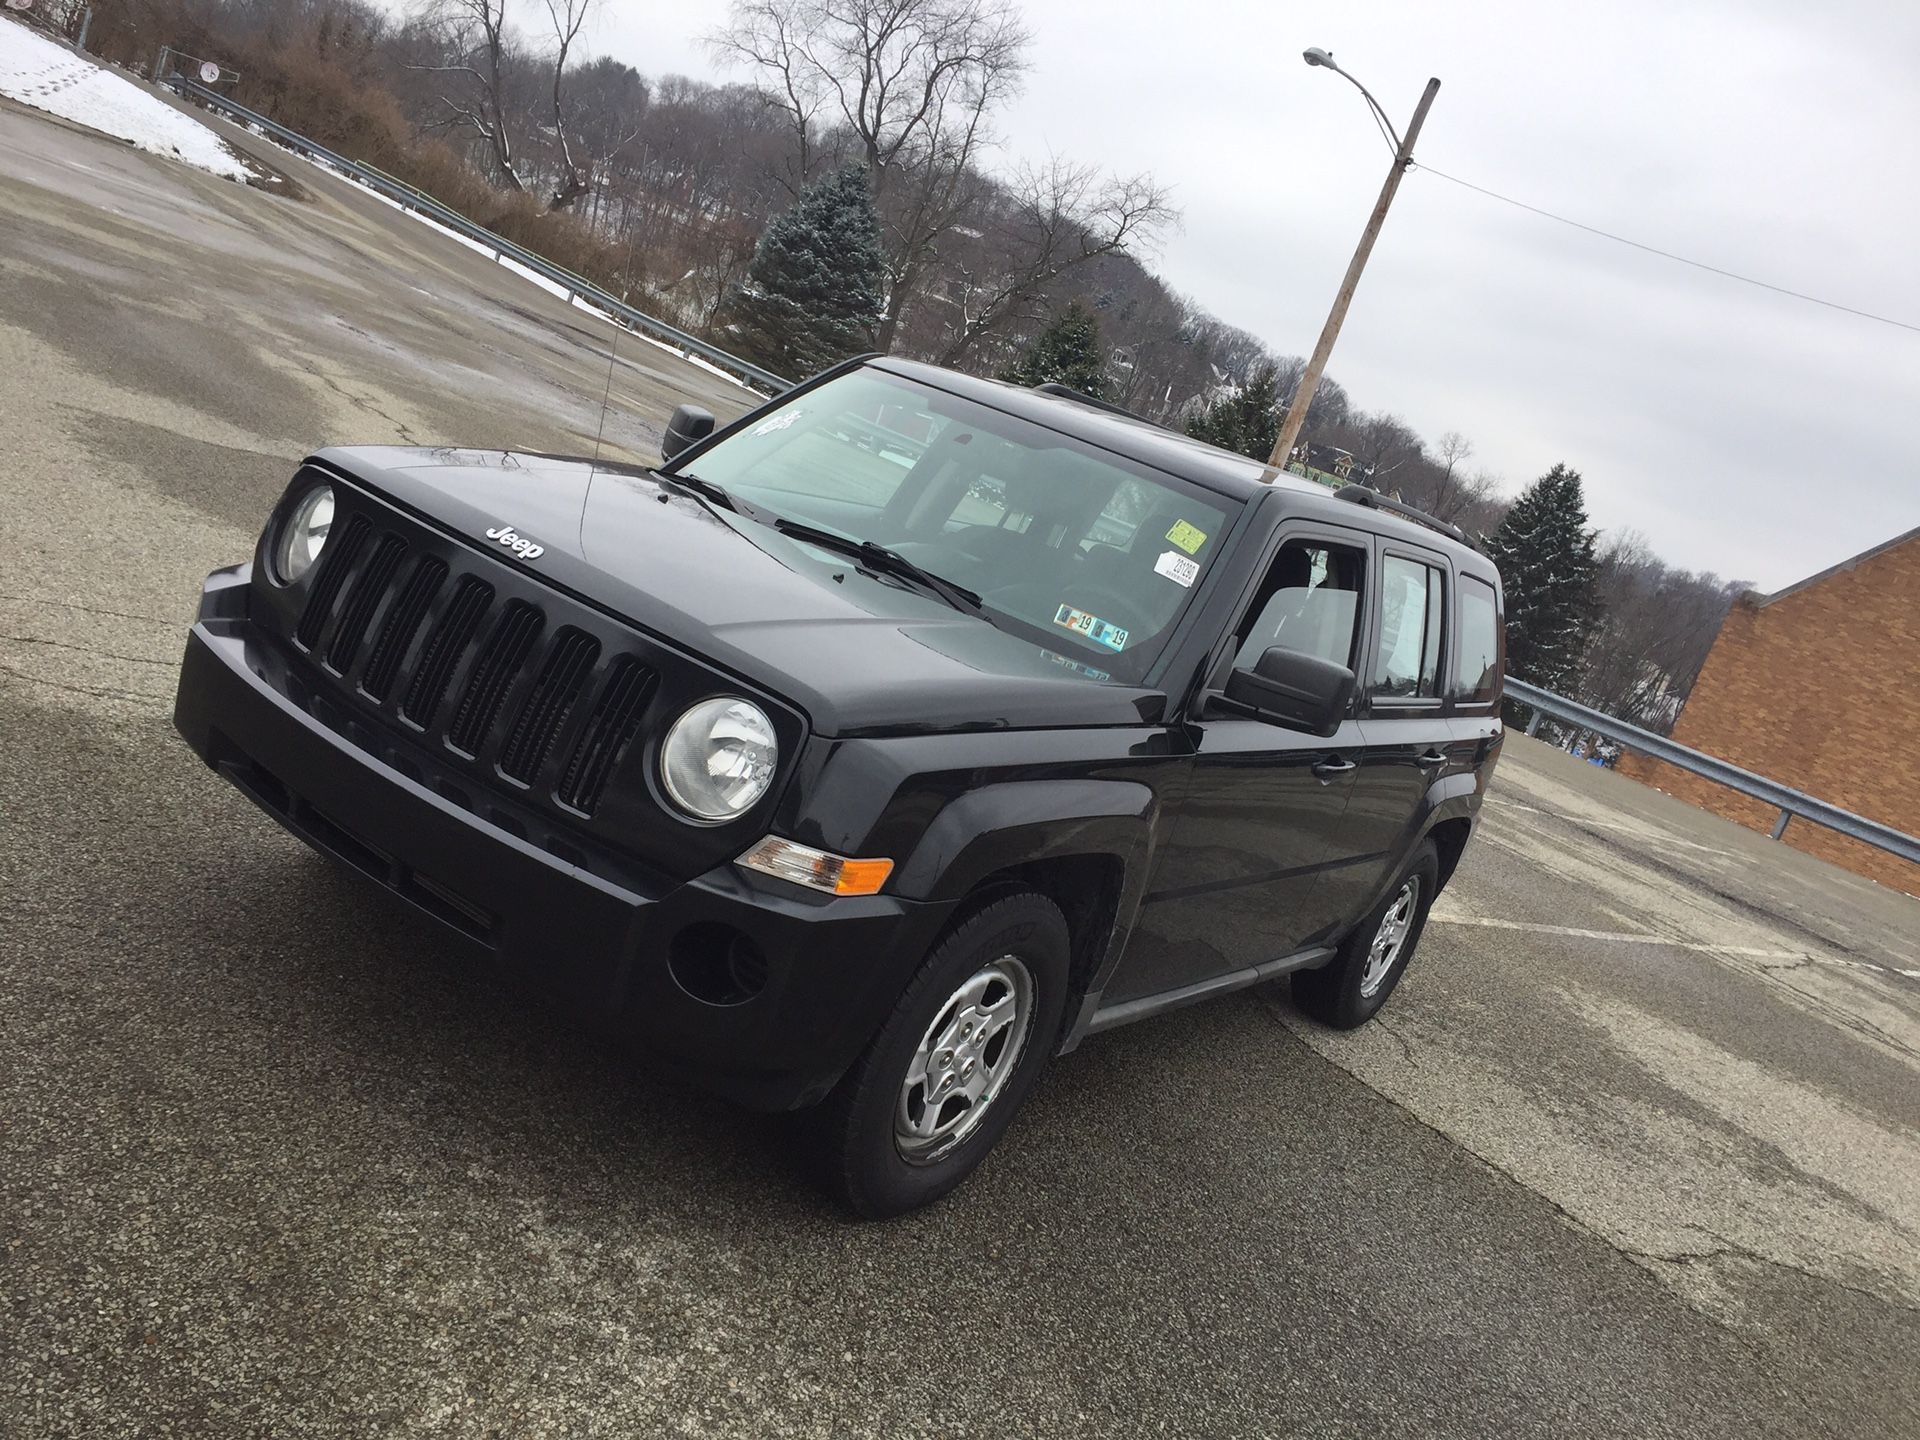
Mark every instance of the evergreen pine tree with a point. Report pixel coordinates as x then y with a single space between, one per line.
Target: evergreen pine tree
1067 352
1247 421
812 293
1547 570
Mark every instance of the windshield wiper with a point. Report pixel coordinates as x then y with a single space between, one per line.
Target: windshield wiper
705 490
879 557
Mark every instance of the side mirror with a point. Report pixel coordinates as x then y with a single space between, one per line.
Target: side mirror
1295 689
688 427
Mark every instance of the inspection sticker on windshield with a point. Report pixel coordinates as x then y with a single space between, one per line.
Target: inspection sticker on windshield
1091 626
1189 538
777 422
1177 568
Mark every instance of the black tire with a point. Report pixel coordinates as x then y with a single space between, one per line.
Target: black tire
1333 994
865 1165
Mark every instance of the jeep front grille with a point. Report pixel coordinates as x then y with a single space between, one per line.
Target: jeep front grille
611 727
570 659
403 621
497 684
336 563
368 589
446 643
506 649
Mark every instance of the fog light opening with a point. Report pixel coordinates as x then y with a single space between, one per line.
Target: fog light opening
716 964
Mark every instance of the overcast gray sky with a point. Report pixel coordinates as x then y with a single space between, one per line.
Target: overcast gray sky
1741 431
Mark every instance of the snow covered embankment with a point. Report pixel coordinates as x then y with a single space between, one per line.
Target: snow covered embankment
37 72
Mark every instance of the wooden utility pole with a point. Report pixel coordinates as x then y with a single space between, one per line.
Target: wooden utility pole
1310 377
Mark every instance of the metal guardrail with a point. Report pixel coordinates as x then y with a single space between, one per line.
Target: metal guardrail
411 198
1789 802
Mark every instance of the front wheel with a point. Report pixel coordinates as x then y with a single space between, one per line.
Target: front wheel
941 1081
1349 990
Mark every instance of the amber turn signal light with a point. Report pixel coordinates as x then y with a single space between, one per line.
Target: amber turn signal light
816 869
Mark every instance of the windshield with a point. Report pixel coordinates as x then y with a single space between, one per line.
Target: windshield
1082 552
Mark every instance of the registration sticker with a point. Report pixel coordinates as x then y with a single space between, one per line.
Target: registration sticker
1177 568
1091 626
1188 537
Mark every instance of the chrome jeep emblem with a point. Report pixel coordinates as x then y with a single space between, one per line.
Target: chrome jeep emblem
519 544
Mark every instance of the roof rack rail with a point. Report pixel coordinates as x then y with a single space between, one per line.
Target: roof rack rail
1067 392
1374 500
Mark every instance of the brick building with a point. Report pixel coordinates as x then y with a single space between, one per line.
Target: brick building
1817 686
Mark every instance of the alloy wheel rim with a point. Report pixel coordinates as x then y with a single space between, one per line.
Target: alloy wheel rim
964 1061
1390 938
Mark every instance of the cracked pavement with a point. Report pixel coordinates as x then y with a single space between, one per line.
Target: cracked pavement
1633 1152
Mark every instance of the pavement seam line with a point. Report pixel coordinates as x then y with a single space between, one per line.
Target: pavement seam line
97 693
90 609
1746 952
1652 860
1725 1249
169 662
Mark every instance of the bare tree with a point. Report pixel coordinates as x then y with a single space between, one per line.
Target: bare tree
476 33
1159 354
911 84
566 16
1058 216
1478 504
606 112
1655 626
1454 450
1384 445
1330 411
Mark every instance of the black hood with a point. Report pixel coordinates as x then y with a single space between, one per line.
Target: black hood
859 653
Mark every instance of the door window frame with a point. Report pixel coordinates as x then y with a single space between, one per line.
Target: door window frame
1291 529
1441 703
1457 705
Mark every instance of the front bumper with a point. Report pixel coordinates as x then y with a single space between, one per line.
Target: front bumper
617 944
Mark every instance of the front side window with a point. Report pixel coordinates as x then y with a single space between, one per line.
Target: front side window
1310 603
1412 603
1079 550
1476 672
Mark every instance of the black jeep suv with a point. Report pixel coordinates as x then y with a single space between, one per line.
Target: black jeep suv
880 745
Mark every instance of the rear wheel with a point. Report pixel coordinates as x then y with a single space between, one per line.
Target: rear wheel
943 1078
1350 990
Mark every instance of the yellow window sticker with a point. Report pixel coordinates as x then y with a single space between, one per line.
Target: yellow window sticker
1187 537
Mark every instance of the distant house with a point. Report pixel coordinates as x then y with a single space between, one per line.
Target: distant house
1330 458
1817 686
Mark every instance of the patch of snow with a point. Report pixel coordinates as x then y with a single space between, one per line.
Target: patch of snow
33 70
408 210
699 362
49 77
533 277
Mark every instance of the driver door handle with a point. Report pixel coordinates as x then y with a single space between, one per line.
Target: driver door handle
1430 759
1333 767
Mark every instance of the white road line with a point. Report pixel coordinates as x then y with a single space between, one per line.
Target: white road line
1652 833
1746 951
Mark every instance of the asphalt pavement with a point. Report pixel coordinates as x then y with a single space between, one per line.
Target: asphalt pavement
1635 1149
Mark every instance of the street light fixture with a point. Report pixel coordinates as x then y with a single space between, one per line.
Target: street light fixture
1317 56
1296 415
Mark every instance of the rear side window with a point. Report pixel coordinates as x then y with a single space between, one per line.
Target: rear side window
1412 605
1477 671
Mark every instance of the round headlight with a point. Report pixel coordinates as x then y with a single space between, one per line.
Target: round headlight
304 535
719 758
